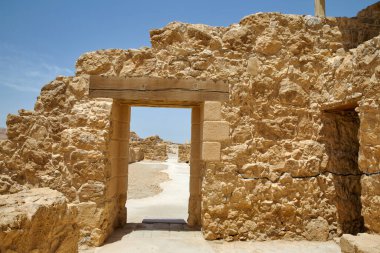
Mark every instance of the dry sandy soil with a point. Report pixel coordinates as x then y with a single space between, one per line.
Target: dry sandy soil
3 135
144 179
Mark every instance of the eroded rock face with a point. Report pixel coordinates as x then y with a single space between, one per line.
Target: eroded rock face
278 177
37 220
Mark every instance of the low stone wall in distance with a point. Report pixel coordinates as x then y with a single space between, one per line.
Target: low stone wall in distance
135 155
184 153
153 147
3 133
37 220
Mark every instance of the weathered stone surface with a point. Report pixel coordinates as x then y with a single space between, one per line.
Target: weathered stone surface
184 153
289 169
3 134
135 155
37 220
362 243
153 148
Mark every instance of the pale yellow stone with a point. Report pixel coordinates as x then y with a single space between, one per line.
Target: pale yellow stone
212 111
215 130
211 151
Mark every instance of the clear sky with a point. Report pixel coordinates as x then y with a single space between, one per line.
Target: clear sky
40 39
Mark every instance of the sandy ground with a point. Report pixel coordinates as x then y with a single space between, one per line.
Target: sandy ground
166 235
144 179
171 202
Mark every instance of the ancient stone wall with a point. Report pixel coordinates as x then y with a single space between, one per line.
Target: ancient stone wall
3 135
135 155
364 27
277 177
356 75
184 153
64 145
153 147
37 220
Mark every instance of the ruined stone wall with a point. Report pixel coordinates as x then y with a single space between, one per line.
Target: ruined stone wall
184 153
153 147
356 74
364 27
277 176
135 155
273 165
64 145
3 135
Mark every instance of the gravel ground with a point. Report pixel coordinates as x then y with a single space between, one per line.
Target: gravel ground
144 179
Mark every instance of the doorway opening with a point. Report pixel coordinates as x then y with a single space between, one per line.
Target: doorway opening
208 131
120 162
341 127
158 186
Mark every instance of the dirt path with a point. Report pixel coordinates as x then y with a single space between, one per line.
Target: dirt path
144 179
171 202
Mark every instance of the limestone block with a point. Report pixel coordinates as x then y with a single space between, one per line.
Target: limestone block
291 93
212 111
253 67
211 151
93 191
371 202
215 130
268 45
362 243
317 230
37 220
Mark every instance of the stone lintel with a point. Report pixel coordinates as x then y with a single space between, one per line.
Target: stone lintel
147 89
349 103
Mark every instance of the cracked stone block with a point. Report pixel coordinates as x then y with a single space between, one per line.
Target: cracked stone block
362 243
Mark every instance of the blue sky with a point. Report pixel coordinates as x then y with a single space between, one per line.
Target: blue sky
41 39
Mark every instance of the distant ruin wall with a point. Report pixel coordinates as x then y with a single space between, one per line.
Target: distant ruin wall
3 135
184 153
153 148
277 176
361 28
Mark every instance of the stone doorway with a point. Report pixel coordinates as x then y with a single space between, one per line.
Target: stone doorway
208 129
158 185
121 125
341 128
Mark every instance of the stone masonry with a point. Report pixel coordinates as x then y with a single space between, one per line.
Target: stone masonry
184 153
293 154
